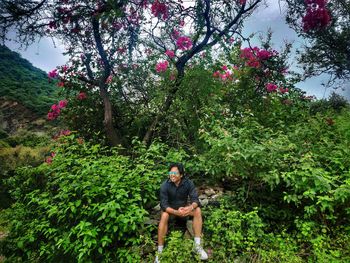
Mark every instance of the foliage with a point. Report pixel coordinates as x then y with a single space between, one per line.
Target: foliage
229 232
178 249
87 205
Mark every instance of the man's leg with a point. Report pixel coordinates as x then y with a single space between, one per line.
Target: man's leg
197 222
197 229
162 228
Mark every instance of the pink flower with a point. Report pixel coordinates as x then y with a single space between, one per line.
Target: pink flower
263 54
64 68
216 74
170 53
271 87
172 77
48 160
175 34
81 96
62 104
53 74
162 66
317 16
282 90
182 23
55 108
159 10
60 84
184 43
242 2
53 154
109 79
224 67
50 116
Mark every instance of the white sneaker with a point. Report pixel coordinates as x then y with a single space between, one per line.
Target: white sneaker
156 260
201 252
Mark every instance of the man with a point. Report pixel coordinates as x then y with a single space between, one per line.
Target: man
174 194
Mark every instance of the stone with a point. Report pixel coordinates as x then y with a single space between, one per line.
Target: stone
202 196
204 202
209 192
216 196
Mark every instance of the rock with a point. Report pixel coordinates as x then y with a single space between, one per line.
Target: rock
209 192
216 195
149 221
202 196
204 202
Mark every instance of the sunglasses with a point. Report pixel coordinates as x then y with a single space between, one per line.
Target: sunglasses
173 173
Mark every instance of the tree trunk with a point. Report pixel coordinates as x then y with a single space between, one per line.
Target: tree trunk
113 137
168 102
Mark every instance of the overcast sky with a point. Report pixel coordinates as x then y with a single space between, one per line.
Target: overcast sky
46 55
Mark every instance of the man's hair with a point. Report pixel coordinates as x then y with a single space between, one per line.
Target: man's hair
179 166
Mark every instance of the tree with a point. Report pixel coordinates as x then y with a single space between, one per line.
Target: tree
103 40
326 26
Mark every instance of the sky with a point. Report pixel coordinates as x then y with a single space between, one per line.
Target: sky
46 55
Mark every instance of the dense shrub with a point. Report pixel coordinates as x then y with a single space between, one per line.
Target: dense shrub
88 205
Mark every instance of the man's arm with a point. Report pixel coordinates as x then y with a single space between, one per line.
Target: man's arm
193 196
194 201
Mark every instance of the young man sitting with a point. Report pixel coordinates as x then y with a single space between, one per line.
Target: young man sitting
174 194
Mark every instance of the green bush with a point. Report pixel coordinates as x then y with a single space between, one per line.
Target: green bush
178 249
230 232
88 205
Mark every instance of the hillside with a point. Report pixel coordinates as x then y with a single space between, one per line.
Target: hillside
20 81
25 94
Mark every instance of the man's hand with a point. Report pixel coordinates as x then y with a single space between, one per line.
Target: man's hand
185 211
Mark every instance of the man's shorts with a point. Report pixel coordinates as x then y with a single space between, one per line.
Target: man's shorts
179 222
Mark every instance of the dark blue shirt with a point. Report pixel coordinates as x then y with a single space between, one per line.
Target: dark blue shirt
176 196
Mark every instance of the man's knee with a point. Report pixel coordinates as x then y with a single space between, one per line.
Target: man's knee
164 217
197 212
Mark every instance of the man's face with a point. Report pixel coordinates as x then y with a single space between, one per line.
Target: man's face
174 175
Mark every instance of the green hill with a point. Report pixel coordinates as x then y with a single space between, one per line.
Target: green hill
20 81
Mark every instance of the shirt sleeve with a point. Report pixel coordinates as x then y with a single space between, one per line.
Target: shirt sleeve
193 194
164 202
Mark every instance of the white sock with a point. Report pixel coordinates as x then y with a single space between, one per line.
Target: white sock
197 241
160 249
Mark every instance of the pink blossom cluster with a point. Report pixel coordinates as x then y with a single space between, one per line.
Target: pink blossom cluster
184 43
317 16
56 110
226 75
61 133
159 10
81 96
270 87
170 53
53 74
162 66
255 55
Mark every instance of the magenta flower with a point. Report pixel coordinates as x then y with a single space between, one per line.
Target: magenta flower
263 54
53 74
184 43
62 104
224 67
271 87
170 53
162 66
159 10
81 96
48 160
55 108
317 16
